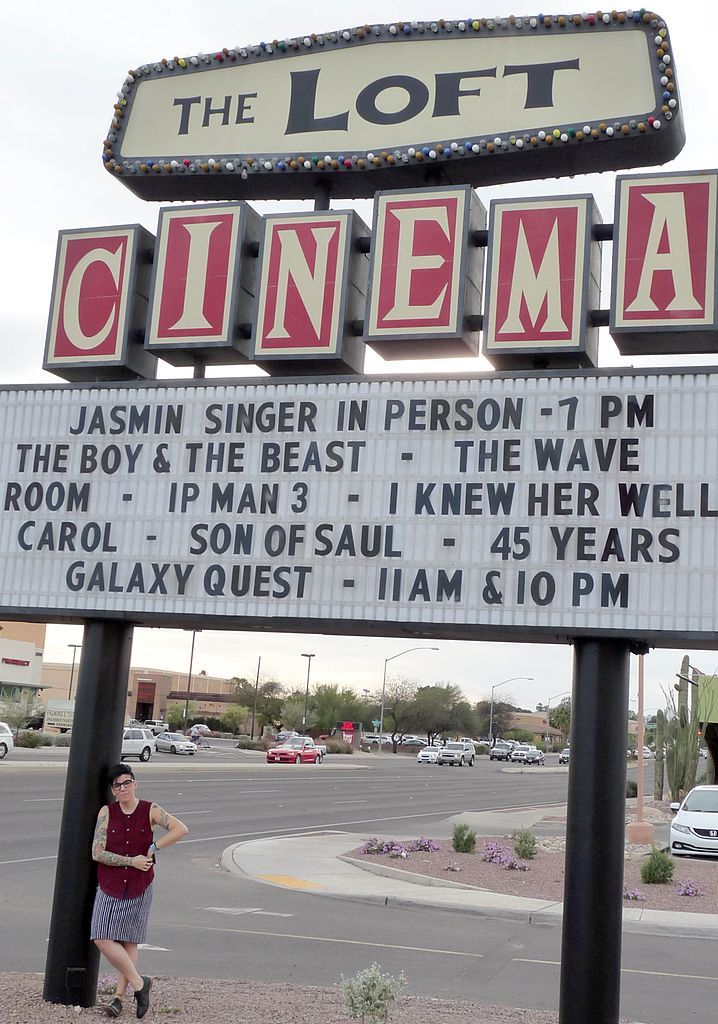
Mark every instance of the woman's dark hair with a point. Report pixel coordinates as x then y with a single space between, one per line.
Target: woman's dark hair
119 769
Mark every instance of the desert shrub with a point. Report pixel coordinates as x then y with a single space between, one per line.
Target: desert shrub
388 846
339 747
45 739
657 868
502 856
423 845
633 894
686 887
482 748
631 787
463 838
63 740
524 844
29 739
369 995
247 743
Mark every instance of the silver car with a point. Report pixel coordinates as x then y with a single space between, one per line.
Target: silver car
175 743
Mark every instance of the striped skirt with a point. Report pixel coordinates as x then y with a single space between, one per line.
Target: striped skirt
121 920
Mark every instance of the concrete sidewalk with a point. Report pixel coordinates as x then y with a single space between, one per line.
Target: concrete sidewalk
317 863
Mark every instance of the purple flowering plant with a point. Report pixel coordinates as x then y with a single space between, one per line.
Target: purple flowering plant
687 887
494 853
633 894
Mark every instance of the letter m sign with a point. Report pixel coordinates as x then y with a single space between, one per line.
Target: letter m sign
544 275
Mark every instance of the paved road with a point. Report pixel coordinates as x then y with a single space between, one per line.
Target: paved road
210 924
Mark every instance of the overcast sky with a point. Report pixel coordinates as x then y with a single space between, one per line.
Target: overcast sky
62 68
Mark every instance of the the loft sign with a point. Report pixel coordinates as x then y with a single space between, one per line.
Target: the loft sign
371 107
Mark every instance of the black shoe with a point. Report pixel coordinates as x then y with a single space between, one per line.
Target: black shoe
142 997
114 1009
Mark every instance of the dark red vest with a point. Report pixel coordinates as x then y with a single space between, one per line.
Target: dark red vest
130 835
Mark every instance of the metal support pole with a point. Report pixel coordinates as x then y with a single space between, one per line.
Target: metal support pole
593 889
189 681
256 691
306 692
75 648
72 960
641 739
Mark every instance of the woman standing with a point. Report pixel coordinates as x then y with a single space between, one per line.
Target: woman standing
125 849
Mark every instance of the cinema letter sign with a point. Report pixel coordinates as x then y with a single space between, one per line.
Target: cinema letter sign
664 294
398 106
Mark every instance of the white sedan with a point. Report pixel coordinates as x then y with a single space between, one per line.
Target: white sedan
694 830
6 740
175 743
427 755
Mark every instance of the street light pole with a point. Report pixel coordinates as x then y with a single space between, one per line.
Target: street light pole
306 692
491 709
383 685
256 690
75 648
189 680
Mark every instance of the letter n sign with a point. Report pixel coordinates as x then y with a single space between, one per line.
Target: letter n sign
664 264
312 289
203 284
99 305
425 279
544 275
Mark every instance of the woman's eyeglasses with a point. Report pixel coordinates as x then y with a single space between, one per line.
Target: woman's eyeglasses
117 786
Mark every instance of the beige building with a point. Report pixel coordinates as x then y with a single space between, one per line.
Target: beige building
150 691
21 648
537 724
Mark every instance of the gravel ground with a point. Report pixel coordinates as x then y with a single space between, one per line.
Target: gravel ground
545 876
197 1001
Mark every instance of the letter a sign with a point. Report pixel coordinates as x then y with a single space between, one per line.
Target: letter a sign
664 263
544 275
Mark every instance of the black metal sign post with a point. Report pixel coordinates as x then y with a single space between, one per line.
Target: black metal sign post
593 903
72 960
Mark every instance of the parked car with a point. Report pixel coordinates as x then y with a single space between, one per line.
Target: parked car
534 756
428 755
295 750
500 752
6 740
418 741
519 752
647 752
155 725
694 829
282 736
175 743
138 742
565 756
458 753
202 729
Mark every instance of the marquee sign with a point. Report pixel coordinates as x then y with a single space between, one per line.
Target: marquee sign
472 101
515 507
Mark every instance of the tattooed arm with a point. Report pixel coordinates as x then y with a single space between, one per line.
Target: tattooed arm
175 828
115 860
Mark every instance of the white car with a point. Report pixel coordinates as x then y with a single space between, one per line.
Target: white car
138 742
175 743
694 829
456 753
428 755
6 740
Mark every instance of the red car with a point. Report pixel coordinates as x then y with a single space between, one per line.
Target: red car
295 750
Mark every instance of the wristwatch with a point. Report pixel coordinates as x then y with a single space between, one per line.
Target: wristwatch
154 847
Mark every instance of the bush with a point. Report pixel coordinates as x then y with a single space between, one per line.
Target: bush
46 739
29 739
482 748
246 743
657 868
524 844
631 787
369 995
339 747
463 838
494 853
63 740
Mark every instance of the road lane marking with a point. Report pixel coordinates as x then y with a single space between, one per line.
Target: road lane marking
624 970
27 860
333 941
238 911
43 800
